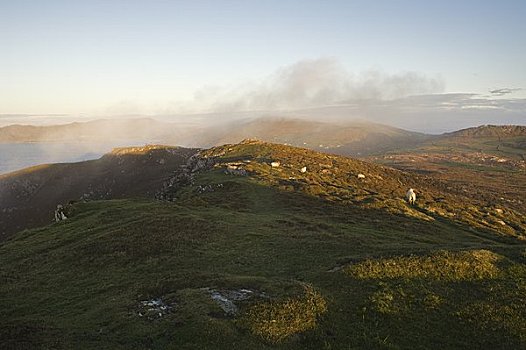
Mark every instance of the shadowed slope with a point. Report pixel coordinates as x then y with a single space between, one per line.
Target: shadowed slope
29 197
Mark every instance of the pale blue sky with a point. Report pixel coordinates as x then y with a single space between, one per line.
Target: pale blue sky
104 57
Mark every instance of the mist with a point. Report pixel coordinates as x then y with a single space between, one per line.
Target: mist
311 83
324 90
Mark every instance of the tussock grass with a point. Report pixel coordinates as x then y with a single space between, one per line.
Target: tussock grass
443 265
404 298
277 320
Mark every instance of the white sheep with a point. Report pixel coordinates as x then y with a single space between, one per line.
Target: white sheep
304 169
59 213
411 196
275 164
360 176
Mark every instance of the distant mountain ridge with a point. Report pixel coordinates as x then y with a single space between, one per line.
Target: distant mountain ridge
346 138
490 131
138 129
354 138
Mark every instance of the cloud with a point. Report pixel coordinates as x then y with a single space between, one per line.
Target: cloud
503 91
311 83
323 89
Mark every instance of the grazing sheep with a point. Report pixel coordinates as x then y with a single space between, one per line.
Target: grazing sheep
275 164
361 176
304 169
411 196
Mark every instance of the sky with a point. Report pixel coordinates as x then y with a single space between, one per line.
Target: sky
447 60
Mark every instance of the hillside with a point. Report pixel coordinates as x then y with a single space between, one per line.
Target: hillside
29 197
349 138
487 162
244 255
501 131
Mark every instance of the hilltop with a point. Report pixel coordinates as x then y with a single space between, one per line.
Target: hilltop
345 138
490 131
263 246
359 183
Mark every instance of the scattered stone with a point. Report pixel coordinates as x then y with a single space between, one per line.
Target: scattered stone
185 177
226 298
207 188
304 169
336 268
501 222
235 170
499 211
226 304
153 309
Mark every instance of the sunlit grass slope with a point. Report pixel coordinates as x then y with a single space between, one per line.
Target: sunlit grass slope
329 268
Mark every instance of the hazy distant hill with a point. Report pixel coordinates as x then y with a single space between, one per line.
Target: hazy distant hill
144 129
352 138
490 131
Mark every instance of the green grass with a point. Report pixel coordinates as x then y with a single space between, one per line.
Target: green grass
79 283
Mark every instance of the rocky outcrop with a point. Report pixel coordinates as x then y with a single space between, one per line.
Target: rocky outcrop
236 169
185 176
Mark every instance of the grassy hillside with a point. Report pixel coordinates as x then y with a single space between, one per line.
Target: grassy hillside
319 259
488 162
487 131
